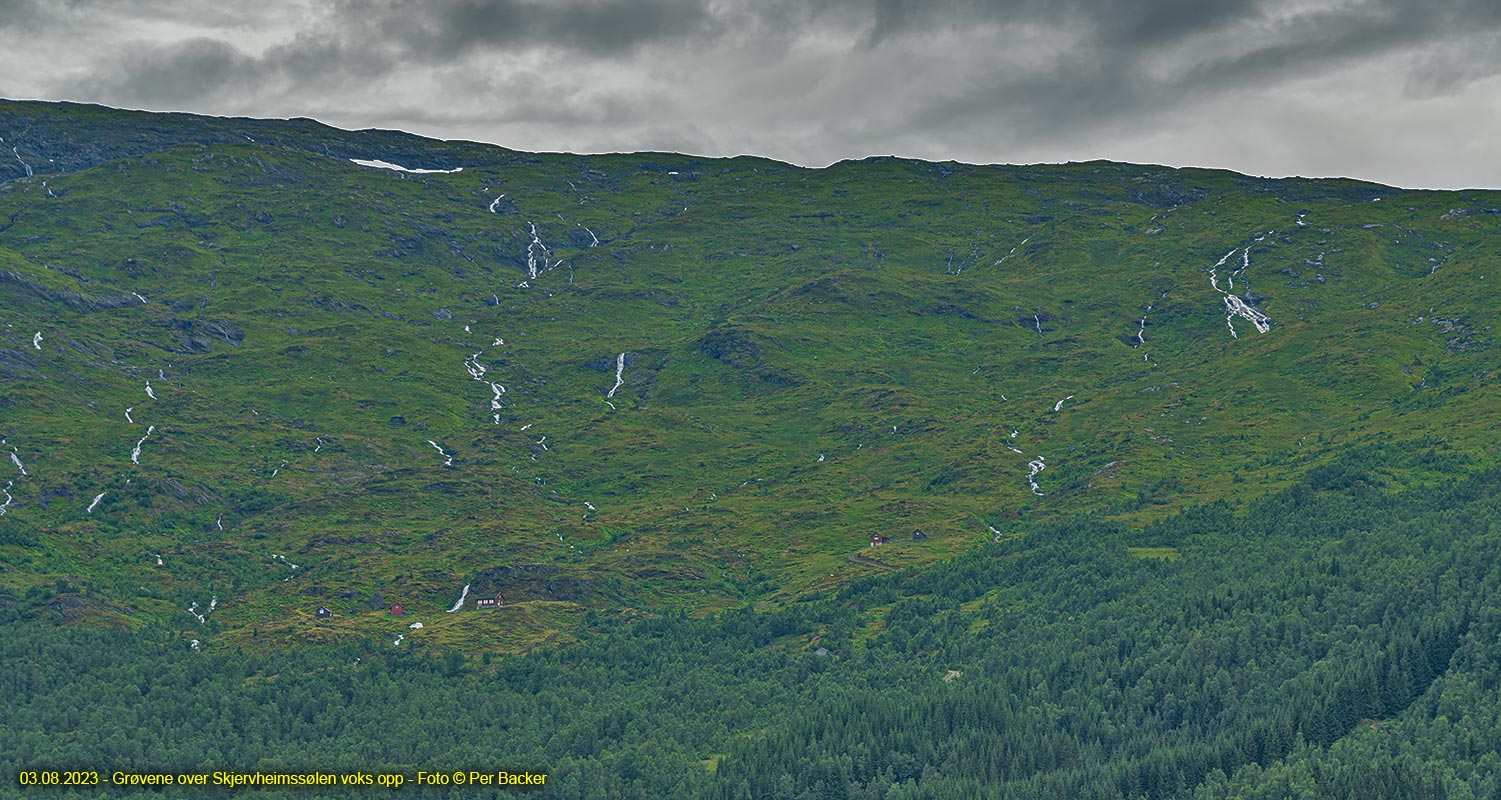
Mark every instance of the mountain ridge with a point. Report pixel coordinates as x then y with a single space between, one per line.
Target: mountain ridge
58 116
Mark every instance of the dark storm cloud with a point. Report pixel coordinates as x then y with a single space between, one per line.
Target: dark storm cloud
445 30
1116 22
1114 37
369 40
179 73
17 12
1110 76
1224 82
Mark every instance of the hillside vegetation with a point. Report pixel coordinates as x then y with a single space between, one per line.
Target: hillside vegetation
646 383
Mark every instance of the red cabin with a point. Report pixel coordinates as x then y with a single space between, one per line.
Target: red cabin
397 610
877 539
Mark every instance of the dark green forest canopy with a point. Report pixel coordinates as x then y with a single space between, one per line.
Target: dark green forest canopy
1334 640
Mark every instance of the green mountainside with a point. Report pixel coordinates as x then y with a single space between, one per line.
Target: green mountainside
1204 467
406 382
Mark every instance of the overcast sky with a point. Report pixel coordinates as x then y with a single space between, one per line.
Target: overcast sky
1405 92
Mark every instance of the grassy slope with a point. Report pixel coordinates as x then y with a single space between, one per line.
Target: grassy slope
309 311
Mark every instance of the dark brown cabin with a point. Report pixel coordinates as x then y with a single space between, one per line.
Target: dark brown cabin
491 602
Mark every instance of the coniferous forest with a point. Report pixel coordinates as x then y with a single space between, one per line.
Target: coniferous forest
1334 640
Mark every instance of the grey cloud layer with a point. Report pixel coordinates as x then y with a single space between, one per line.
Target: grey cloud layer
443 31
1177 81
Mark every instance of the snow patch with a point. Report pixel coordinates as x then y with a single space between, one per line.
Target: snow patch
127 415
4 507
364 162
36 341
97 498
447 459
149 393
1058 406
